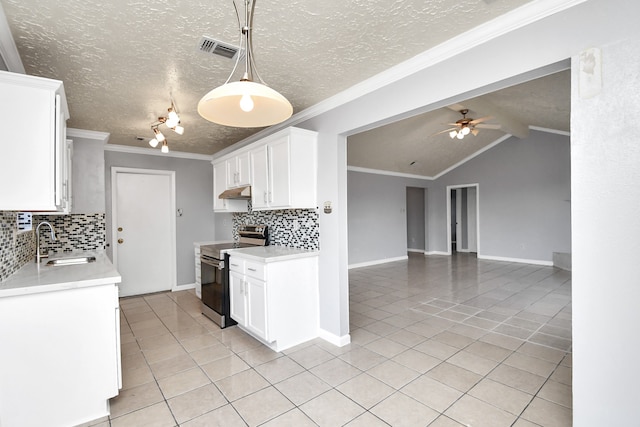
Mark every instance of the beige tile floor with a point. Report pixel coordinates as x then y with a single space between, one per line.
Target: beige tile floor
436 341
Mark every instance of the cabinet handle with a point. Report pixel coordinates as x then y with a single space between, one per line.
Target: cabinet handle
265 197
270 197
251 269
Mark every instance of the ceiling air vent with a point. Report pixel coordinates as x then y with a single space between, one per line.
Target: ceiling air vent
217 47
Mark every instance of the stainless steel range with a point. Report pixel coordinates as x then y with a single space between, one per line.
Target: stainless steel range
214 260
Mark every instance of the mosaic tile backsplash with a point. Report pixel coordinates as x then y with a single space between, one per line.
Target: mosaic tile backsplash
16 249
76 232
281 226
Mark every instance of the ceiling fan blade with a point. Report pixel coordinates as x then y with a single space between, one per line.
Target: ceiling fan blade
446 130
488 126
481 119
453 124
474 131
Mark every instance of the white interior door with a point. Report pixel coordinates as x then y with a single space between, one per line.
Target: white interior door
144 230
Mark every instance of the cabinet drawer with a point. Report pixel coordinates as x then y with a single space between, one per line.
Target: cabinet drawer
236 264
255 270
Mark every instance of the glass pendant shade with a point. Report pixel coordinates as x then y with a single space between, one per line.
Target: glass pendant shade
153 143
165 147
222 105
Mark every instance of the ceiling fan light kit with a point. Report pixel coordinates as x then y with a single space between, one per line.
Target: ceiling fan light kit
245 103
466 126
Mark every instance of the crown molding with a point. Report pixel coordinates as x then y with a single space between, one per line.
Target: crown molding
88 134
389 173
156 152
548 130
8 49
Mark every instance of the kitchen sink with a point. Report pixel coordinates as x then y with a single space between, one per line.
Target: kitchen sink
71 261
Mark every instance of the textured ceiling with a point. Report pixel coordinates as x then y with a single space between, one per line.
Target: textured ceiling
121 61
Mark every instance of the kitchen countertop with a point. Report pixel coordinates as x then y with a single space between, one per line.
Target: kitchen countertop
274 253
33 279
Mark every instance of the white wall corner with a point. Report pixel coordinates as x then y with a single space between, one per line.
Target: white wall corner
339 341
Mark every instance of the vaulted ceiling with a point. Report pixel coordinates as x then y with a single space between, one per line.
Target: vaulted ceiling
122 62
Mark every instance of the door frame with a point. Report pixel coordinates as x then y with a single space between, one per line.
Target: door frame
115 170
455 187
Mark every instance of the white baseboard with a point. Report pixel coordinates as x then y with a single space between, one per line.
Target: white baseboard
518 260
436 253
378 261
339 341
420 251
184 287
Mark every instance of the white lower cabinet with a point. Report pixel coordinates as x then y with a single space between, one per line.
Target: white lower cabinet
60 358
276 301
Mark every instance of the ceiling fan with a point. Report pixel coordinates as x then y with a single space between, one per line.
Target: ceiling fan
467 125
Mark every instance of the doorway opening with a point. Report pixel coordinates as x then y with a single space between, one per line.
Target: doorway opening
463 218
416 220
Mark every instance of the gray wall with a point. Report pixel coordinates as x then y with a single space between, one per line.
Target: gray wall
416 221
377 220
88 176
194 195
524 193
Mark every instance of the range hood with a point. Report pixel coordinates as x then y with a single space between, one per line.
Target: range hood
242 193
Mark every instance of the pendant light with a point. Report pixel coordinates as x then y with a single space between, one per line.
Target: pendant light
245 103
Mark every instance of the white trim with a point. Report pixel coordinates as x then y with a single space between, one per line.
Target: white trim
474 155
156 152
505 24
452 187
518 260
428 253
88 134
8 49
378 261
115 170
390 173
548 130
184 287
334 339
466 251
420 251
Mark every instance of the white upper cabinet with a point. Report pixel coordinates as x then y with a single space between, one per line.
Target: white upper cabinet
220 185
238 174
284 171
281 169
34 166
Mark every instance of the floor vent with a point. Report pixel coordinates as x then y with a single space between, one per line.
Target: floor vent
217 47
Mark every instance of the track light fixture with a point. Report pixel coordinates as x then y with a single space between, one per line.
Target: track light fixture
172 121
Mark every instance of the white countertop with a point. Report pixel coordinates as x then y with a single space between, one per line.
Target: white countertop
33 279
273 253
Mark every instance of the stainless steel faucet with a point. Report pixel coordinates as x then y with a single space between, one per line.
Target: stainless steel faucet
53 239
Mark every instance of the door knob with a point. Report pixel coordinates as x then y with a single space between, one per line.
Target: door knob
120 241
119 228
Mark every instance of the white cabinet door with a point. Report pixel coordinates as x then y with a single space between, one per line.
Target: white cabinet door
220 185
33 143
257 320
238 304
260 188
238 174
280 173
